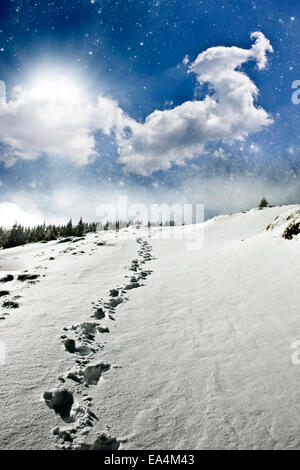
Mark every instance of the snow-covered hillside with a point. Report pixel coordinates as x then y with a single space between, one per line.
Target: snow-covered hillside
137 342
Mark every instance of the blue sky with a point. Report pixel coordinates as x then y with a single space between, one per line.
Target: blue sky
132 53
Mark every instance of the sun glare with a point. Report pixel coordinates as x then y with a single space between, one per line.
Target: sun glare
57 87
58 96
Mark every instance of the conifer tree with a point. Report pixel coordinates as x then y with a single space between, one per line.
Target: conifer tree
80 229
69 229
263 203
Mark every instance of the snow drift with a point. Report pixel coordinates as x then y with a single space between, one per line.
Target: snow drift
140 343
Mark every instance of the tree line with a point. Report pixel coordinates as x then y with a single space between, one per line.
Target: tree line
19 235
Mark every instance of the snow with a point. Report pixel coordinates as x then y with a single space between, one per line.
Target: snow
198 357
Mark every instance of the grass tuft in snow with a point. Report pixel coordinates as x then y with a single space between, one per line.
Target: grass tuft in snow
27 277
3 293
7 278
10 304
291 231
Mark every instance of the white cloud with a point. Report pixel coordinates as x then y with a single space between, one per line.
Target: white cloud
53 116
219 194
185 60
10 213
47 117
220 153
259 50
2 92
229 114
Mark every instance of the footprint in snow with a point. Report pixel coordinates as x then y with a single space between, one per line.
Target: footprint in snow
132 285
72 348
61 401
99 313
103 442
92 374
114 292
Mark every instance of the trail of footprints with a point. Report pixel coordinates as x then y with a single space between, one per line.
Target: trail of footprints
81 341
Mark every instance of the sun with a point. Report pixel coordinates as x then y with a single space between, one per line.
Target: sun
57 97
57 87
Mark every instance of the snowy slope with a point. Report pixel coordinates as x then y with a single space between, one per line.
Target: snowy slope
197 357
